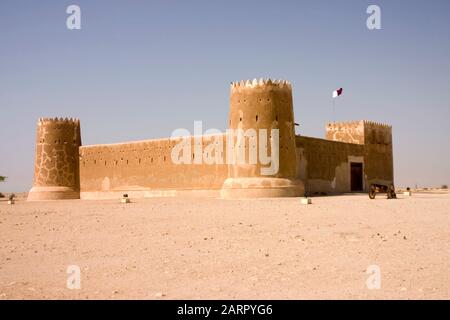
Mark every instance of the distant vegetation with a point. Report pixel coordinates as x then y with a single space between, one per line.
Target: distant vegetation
2 178
444 186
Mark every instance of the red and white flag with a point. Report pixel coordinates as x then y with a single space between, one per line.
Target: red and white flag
337 93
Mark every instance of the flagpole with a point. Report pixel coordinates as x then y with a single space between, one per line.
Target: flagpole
333 113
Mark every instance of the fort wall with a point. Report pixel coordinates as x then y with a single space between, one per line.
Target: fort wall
350 132
324 165
145 168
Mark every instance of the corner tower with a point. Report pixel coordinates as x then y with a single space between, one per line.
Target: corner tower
256 105
378 151
56 166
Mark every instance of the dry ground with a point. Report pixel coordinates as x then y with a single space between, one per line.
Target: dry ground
172 248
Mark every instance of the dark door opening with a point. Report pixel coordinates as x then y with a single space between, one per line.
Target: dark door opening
356 176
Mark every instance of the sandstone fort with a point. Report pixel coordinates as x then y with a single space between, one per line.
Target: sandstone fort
352 156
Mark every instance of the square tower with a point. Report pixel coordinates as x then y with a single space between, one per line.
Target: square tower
359 132
377 140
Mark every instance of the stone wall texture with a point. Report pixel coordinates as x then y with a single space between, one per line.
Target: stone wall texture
267 105
56 166
145 168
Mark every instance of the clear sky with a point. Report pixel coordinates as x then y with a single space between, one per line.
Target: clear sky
141 69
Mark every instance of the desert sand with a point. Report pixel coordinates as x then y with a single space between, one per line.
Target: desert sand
179 248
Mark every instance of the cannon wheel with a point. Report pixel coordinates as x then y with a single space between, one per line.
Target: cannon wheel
372 192
391 192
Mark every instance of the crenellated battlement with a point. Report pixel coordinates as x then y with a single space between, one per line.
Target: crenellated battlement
59 120
378 124
359 122
261 83
360 132
345 123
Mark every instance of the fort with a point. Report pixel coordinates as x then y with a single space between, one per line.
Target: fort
352 156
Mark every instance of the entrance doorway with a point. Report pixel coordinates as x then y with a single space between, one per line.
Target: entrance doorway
356 176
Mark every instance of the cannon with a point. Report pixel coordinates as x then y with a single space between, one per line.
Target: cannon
381 188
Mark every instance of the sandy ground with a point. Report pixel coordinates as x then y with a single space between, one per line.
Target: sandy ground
174 248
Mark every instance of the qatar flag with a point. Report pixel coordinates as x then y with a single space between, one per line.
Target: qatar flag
337 93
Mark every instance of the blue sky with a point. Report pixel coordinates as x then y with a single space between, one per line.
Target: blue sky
140 69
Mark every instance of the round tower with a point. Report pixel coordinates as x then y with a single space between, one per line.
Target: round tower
56 166
263 107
